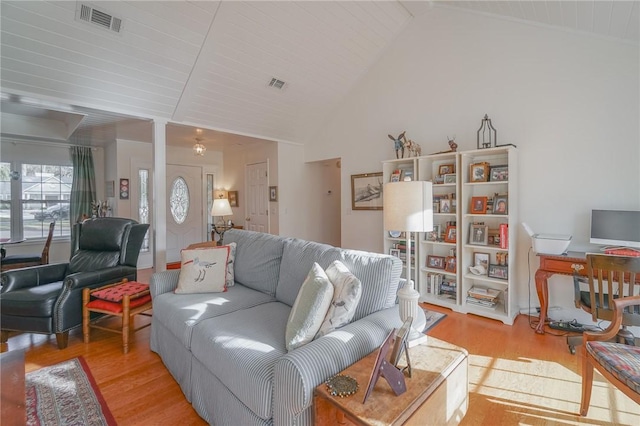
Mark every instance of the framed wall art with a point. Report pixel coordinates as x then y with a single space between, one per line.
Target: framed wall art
273 193
233 198
366 191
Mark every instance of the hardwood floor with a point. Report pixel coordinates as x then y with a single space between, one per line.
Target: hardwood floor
515 376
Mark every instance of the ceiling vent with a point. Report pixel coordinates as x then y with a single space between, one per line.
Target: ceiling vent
277 84
90 14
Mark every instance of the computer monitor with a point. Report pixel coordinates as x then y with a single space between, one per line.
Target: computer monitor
618 228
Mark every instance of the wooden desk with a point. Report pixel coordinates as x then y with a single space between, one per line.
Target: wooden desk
437 392
569 264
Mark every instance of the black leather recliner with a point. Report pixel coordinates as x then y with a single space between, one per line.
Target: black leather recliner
48 298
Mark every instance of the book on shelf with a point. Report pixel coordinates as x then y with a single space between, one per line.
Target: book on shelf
482 293
396 175
504 236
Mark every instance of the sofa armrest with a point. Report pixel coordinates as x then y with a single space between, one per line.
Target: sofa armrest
16 279
297 373
163 282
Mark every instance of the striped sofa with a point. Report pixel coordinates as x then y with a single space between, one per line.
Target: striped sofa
227 350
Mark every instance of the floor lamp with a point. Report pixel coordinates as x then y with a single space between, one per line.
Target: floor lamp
408 207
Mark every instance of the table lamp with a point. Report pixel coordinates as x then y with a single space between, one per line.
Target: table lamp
221 208
408 207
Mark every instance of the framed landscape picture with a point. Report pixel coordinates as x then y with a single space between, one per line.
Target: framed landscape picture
366 191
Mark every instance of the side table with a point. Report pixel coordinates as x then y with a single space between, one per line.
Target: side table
437 392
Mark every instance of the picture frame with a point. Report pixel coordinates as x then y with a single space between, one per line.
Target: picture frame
435 262
498 271
395 252
478 234
433 235
124 189
481 259
479 172
450 264
450 234
400 342
499 173
478 205
366 191
494 237
445 169
232 196
450 178
501 204
445 205
395 176
110 189
273 193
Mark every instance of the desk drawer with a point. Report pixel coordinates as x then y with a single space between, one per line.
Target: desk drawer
563 266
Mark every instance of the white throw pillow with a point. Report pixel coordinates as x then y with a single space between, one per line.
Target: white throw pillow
230 261
309 309
203 270
346 296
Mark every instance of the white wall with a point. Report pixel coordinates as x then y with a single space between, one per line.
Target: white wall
324 201
569 101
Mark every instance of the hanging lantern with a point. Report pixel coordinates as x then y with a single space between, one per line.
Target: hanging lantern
486 134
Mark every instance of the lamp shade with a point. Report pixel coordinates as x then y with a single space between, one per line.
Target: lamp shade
221 207
408 206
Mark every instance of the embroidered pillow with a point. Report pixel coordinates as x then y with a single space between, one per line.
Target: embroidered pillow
346 296
203 270
309 309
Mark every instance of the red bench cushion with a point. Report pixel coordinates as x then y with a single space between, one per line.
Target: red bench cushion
117 293
116 307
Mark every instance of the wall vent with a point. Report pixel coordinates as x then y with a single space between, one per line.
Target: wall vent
277 84
90 14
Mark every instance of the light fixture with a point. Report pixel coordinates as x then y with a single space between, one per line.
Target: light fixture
221 208
198 148
487 135
408 207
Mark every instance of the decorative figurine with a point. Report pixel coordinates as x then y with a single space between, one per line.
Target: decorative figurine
453 146
398 144
414 148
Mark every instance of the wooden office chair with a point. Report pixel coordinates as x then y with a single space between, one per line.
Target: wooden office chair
608 276
24 260
618 363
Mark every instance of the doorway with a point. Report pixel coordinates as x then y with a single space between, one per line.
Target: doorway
325 191
184 209
257 183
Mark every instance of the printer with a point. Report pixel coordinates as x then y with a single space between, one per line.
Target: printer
548 243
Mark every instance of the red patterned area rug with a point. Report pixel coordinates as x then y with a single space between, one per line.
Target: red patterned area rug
65 394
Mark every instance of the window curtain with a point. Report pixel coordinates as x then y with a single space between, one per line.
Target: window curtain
83 188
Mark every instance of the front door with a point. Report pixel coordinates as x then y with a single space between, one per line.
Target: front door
185 222
257 197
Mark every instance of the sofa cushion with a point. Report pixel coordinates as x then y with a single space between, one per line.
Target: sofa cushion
310 308
347 290
380 277
230 264
257 261
297 259
181 312
241 348
203 270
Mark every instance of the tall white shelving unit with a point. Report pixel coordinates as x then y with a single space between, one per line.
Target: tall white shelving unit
450 288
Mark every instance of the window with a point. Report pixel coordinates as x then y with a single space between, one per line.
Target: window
34 197
143 204
179 200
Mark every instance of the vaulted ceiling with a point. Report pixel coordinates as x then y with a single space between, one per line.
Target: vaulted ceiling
214 64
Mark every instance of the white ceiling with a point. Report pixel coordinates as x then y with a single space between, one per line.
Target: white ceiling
208 64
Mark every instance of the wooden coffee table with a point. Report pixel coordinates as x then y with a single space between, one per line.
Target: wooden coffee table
437 392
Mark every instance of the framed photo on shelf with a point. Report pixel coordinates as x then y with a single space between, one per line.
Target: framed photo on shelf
479 172
396 175
450 178
395 252
499 173
478 234
450 234
446 169
498 271
481 259
450 264
478 205
435 262
494 237
445 205
366 191
501 204
433 235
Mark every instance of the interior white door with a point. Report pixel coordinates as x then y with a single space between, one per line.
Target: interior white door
257 180
185 220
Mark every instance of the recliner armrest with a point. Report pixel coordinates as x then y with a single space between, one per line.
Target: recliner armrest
33 276
91 278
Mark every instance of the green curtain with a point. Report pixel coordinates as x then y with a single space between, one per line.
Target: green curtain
83 188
